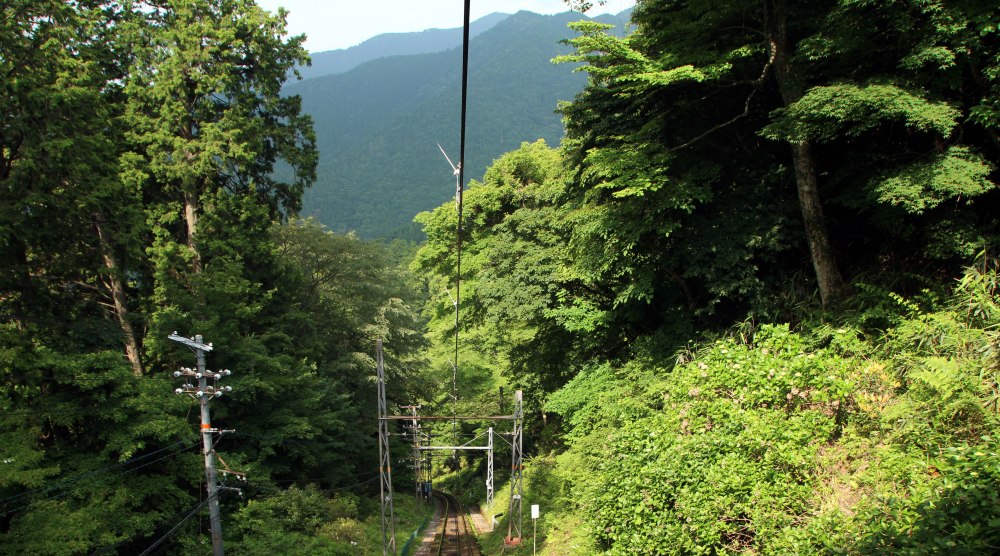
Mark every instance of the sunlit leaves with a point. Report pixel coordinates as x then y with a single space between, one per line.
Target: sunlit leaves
827 112
958 173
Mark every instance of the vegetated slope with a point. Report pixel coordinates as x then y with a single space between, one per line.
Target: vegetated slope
378 125
768 441
393 44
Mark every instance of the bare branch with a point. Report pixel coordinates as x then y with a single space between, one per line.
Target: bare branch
746 105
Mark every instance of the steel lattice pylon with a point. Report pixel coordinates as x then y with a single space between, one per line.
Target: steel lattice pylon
385 466
489 471
516 469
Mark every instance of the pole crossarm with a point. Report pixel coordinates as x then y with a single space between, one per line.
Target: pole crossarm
431 448
193 343
448 417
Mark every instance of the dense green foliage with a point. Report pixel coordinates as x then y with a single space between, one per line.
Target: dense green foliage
730 295
306 521
753 299
767 441
138 197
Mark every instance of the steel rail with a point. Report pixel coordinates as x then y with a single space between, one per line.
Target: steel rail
456 538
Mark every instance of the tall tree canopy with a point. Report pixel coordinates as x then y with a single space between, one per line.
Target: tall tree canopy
699 131
138 196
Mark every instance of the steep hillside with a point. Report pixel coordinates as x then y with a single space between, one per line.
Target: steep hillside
393 44
379 124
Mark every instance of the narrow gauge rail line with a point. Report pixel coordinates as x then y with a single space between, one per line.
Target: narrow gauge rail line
455 537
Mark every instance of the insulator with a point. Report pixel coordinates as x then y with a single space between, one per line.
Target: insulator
227 372
177 374
197 375
218 376
228 388
218 393
179 391
200 393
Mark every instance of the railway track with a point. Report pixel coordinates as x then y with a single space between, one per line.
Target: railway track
455 536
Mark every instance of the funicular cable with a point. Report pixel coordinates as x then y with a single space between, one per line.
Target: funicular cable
458 200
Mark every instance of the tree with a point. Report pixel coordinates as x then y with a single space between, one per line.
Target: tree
341 296
671 125
206 121
514 318
205 111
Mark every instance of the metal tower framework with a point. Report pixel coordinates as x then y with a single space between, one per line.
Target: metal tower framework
388 531
489 470
385 466
516 470
417 455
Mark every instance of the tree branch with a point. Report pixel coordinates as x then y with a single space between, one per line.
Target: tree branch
746 106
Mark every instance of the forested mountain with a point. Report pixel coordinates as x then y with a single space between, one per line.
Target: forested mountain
378 126
393 44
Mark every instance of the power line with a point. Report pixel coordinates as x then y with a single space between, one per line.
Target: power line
77 480
190 514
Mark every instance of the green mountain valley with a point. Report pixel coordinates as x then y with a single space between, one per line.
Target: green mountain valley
378 125
744 279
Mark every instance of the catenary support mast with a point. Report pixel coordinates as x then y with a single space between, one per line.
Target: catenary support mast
489 471
516 469
385 467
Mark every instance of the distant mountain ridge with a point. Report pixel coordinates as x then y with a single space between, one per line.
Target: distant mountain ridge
378 124
394 44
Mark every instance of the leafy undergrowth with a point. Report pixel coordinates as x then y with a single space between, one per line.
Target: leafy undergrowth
314 522
828 440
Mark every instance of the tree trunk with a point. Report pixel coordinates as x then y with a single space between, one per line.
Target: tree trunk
831 284
118 297
191 219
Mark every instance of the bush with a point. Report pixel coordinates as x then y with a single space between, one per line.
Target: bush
305 518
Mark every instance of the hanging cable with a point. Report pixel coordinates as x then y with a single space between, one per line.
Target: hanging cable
72 482
458 199
190 514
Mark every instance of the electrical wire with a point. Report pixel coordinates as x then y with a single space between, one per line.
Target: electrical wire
177 525
76 480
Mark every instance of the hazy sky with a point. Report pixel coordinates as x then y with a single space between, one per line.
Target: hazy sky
332 24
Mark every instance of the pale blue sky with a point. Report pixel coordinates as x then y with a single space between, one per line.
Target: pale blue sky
332 24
